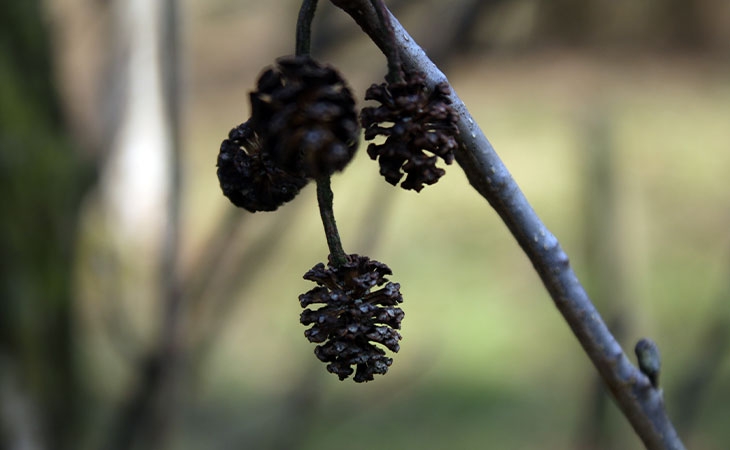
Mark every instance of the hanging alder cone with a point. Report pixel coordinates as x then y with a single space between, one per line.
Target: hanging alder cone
306 115
249 178
353 316
423 130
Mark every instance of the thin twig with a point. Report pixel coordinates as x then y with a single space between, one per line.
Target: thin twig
333 34
640 402
390 50
304 27
325 198
324 190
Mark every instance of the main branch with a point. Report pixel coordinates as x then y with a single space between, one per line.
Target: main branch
640 402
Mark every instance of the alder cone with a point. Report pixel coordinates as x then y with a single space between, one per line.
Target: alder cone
248 176
306 115
419 126
359 310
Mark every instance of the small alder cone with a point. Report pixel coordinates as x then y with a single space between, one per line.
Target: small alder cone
249 178
306 114
354 316
423 129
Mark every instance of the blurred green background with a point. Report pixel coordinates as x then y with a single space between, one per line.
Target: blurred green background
140 310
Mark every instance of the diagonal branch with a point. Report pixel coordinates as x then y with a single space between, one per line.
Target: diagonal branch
640 402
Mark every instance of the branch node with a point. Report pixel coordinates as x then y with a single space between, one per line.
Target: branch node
650 362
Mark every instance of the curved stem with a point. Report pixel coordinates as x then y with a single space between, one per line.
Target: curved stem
391 51
640 402
304 27
325 197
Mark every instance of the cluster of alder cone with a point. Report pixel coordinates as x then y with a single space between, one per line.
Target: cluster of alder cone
304 126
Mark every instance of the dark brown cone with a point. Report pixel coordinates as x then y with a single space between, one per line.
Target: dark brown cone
353 317
249 178
306 115
423 130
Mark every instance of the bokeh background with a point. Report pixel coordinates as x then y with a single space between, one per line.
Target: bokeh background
140 310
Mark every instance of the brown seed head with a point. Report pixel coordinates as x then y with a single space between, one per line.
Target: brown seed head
306 114
249 178
353 316
419 126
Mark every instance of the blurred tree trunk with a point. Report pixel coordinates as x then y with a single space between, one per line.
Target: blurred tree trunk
604 258
42 181
149 38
